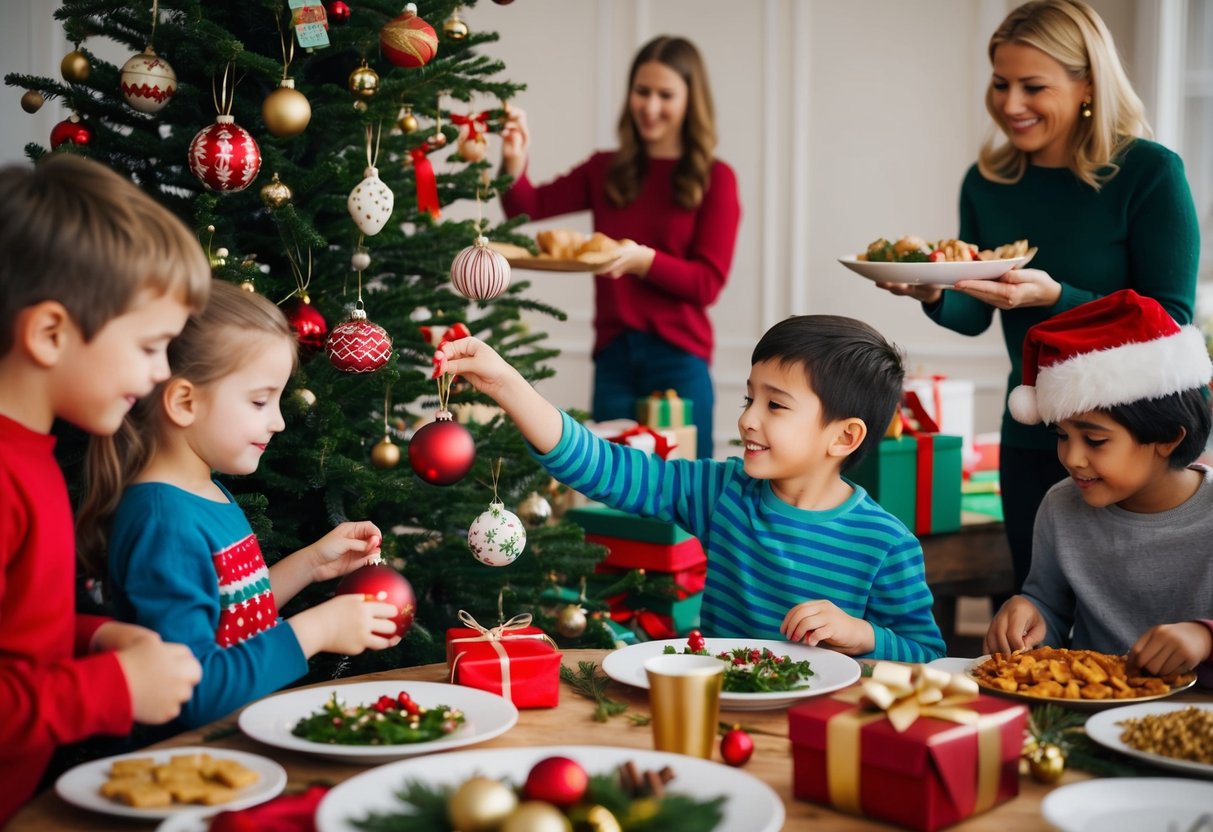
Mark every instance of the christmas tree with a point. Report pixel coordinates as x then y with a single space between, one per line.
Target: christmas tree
384 90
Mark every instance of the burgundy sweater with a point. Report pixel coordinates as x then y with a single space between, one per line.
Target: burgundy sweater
694 248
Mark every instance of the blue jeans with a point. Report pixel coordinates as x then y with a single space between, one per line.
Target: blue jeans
635 364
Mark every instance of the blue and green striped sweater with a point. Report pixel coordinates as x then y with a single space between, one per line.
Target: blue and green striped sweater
765 556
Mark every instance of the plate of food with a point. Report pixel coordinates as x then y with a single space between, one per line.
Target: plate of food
759 674
373 722
1130 804
916 261
722 799
157 784
1173 735
562 250
1084 680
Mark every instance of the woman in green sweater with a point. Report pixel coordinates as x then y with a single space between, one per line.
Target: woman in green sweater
1106 208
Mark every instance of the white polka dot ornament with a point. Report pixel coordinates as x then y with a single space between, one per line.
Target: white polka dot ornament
370 203
479 273
497 537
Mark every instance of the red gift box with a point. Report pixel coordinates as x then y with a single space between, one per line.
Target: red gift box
661 557
957 757
513 660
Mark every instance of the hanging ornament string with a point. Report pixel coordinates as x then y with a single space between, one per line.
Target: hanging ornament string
377 134
387 406
222 99
288 53
444 391
302 281
151 39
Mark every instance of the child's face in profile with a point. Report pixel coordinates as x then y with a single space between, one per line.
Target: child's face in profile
781 423
102 379
1109 466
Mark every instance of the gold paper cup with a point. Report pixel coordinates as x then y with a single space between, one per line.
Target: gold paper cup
684 696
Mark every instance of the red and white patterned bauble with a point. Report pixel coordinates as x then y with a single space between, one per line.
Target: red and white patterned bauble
443 451
71 129
225 156
408 40
480 273
310 326
358 346
147 81
497 537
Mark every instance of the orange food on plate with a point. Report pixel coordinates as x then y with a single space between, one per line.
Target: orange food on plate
1059 673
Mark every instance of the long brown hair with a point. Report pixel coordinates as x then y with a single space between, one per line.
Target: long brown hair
694 167
213 344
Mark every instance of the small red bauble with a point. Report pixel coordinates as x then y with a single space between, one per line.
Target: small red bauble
380 582
736 747
408 40
71 129
556 780
309 325
443 451
358 346
338 12
480 273
225 156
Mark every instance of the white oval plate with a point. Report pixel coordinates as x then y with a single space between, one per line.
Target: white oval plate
270 720
1128 804
943 274
752 805
831 671
1084 705
81 786
1103 728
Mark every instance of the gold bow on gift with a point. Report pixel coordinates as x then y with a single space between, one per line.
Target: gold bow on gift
494 636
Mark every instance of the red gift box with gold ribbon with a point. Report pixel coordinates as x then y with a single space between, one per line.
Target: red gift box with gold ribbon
912 746
513 660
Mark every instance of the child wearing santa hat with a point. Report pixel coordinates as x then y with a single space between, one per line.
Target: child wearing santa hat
1122 554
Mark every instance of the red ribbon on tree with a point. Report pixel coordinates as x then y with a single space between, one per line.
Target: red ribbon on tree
427 183
475 125
453 332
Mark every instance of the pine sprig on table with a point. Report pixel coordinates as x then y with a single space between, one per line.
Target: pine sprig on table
589 683
1051 723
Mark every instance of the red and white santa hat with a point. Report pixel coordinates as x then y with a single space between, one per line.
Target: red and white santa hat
1119 349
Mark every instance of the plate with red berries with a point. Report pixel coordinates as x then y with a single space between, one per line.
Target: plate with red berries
760 674
374 722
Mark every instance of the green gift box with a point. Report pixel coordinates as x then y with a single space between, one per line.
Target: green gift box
916 479
665 410
616 523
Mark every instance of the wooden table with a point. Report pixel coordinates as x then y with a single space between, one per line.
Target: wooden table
570 724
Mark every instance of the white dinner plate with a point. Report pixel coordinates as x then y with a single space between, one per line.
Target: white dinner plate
1084 705
81 786
1128 804
1103 728
270 720
751 805
943 274
831 671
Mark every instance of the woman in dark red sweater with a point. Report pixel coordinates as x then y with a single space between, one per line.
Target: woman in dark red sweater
665 194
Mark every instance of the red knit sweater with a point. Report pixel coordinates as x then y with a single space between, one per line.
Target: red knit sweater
694 248
47 696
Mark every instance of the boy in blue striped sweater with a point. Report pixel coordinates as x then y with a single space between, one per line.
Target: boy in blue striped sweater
794 549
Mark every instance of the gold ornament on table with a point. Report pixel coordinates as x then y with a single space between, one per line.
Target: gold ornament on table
454 28
276 193
363 81
1047 763
75 67
32 101
481 805
406 121
536 816
595 819
534 510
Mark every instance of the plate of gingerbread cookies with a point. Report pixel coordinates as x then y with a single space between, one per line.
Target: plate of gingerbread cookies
562 250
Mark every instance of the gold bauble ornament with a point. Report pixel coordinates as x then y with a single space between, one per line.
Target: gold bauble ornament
406 121
32 101
248 287
536 816
474 149
595 819
1047 763
364 81
454 28
534 510
480 805
385 454
75 67
571 621
306 396
276 193
286 111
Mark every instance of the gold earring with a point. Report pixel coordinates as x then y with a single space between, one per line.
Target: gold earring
1086 108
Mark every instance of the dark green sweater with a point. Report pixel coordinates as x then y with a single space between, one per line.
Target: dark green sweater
1138 232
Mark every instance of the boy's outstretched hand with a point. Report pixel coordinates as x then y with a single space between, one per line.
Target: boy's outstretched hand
1171 648
822 624
346 548
1017 626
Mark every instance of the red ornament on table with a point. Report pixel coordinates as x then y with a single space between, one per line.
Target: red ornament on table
358 346
695 641
225 156
736 747
380 582
443 451
338 12
408 40
71 129
560 781
309 325
480 273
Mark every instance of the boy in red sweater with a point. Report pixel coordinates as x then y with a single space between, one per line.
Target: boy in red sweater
95 279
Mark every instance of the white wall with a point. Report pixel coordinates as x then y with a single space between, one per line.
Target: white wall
845 121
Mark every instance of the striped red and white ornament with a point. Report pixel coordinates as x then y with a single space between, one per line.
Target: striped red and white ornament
479 273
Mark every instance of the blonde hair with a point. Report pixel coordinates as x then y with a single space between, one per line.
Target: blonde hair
694 167
214 343
75 232
1071 33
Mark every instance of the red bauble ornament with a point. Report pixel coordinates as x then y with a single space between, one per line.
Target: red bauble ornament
380 582
358 346
443 451
556 780
503 2
736 747
309 325
338 12
408 40
480 273
71 129
225 156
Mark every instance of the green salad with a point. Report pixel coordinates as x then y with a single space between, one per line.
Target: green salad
387 721
750 670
